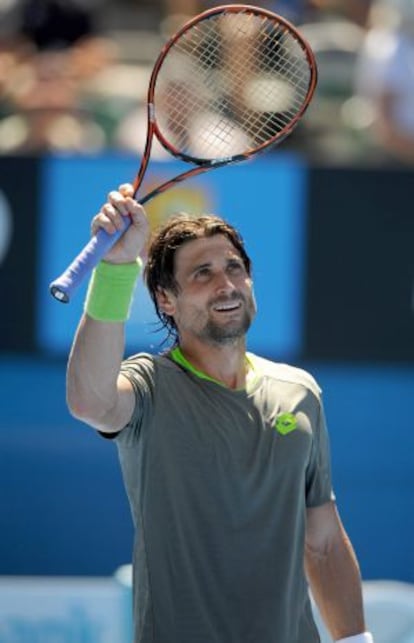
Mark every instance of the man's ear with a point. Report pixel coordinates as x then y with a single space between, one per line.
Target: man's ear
166 301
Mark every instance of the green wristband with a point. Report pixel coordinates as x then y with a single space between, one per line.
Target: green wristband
111 290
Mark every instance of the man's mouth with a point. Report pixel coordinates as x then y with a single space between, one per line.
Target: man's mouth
227 307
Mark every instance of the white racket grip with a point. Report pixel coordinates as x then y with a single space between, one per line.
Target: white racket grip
81 267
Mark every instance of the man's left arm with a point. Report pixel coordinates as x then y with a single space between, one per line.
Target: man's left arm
333 574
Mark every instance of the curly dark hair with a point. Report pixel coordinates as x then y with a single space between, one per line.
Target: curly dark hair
159 271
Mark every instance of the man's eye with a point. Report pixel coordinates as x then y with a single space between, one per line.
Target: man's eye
235 266
203 273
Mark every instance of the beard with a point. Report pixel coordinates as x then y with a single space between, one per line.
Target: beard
229 333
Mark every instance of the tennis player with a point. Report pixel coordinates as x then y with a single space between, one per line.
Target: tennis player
224 454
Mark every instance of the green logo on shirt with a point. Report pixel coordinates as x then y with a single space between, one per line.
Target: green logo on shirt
286 423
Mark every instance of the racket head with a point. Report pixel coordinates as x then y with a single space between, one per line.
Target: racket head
233 81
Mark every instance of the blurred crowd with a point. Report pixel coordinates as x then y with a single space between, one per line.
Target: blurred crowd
74 74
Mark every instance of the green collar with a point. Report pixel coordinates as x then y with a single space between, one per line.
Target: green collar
179 358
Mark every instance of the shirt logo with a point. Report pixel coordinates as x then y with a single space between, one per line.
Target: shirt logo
286 423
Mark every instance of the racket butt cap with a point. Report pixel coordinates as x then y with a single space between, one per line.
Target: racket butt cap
59 294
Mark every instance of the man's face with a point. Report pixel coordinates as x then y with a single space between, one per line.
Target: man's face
215 301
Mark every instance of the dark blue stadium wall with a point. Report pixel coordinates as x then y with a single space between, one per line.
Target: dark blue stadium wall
63 506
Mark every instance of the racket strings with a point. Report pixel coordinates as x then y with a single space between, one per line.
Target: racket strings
290 67
229 84
261 95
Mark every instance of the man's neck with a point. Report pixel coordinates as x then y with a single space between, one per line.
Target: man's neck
224 364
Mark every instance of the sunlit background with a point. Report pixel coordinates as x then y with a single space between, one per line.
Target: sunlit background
328 220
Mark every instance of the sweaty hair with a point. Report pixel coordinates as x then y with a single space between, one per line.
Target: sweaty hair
159 271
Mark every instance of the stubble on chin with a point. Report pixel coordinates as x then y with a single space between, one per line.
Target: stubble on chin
225 335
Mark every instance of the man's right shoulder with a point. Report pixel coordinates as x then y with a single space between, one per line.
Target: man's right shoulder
146 364
139 359
146 374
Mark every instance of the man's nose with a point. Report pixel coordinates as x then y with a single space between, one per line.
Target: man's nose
224 284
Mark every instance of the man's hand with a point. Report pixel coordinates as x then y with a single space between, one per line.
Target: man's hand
121 204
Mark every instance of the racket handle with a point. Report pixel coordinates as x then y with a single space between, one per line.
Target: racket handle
81 267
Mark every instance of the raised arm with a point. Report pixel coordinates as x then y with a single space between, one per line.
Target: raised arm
96 393
333 575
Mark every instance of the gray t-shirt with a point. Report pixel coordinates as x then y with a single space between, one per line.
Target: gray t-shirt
218 482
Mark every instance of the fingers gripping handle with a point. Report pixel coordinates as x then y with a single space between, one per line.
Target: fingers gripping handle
81 267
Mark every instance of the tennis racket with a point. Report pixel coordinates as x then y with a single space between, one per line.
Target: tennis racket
233 81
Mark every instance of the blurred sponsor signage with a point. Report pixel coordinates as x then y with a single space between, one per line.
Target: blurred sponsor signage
68 610
264 199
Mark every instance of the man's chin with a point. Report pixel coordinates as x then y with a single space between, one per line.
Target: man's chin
225 334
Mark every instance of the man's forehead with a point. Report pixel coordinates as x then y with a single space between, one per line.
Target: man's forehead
203 247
